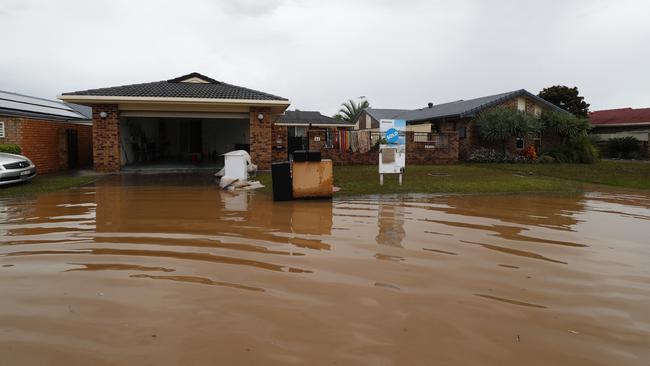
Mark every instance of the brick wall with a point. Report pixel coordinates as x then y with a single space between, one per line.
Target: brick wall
12 130
422 153
45 144
261 137
106 138
417 153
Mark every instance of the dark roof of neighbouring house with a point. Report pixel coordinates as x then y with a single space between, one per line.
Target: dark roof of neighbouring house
384 113
20 105
180 88
82 109
306 118
621 116
469 108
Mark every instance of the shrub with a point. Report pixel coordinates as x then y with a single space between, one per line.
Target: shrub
484 155
10 148
500 124
545 159
623 147
576 150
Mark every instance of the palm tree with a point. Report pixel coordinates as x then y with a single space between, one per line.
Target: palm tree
351 110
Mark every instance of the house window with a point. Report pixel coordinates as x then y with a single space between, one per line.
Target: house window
520 143
521 104
538 111
2 129
297 131
462 132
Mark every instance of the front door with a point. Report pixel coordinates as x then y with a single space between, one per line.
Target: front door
73 148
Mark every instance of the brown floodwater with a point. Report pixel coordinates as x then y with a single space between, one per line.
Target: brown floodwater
168 270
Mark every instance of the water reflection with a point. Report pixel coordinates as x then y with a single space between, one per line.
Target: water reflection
327 280
390 224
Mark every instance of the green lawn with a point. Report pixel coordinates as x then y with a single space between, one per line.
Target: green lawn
613 173
44 183
488 178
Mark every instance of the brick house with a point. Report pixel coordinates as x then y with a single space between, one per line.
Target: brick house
459 116
54 135
188 121
622 122
296 127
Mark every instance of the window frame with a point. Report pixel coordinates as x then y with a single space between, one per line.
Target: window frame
2 130
462 132
523 143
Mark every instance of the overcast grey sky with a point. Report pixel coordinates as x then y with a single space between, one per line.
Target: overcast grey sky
399 54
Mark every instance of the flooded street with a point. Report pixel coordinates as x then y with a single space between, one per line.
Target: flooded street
160 270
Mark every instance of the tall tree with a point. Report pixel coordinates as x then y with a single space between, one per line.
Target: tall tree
566 98
351 110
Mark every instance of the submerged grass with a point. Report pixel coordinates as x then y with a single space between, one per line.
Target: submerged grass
44 183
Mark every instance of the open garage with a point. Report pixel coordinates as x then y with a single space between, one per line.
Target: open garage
161 143
183 123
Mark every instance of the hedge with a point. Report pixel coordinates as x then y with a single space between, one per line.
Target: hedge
10 148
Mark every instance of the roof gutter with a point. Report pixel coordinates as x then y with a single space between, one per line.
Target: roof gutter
100 99
594 125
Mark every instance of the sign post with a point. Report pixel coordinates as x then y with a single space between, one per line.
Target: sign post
392 154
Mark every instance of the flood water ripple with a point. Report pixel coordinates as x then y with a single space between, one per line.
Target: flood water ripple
157 270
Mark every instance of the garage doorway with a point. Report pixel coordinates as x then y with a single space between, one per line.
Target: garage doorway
180 143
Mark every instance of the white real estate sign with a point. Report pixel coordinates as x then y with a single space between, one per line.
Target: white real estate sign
392 154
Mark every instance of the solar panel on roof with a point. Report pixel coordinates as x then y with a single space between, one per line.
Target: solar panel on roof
24 107
31 100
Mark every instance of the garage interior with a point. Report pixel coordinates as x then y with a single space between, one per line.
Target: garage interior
176 143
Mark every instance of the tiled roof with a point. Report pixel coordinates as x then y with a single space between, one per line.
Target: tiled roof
26 106
311 117
181 87
464 108
620 116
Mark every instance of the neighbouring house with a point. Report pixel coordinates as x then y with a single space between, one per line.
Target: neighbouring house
298 124
622 122
53 135
188 121
370 117
459 116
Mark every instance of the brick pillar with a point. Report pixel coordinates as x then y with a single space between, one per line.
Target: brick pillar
261 138
317 139
106 138
280 142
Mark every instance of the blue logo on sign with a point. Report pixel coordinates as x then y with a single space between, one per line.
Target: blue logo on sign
392 135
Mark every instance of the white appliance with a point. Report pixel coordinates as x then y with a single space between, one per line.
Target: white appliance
236 164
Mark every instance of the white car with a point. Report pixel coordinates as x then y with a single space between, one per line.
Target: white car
15 168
